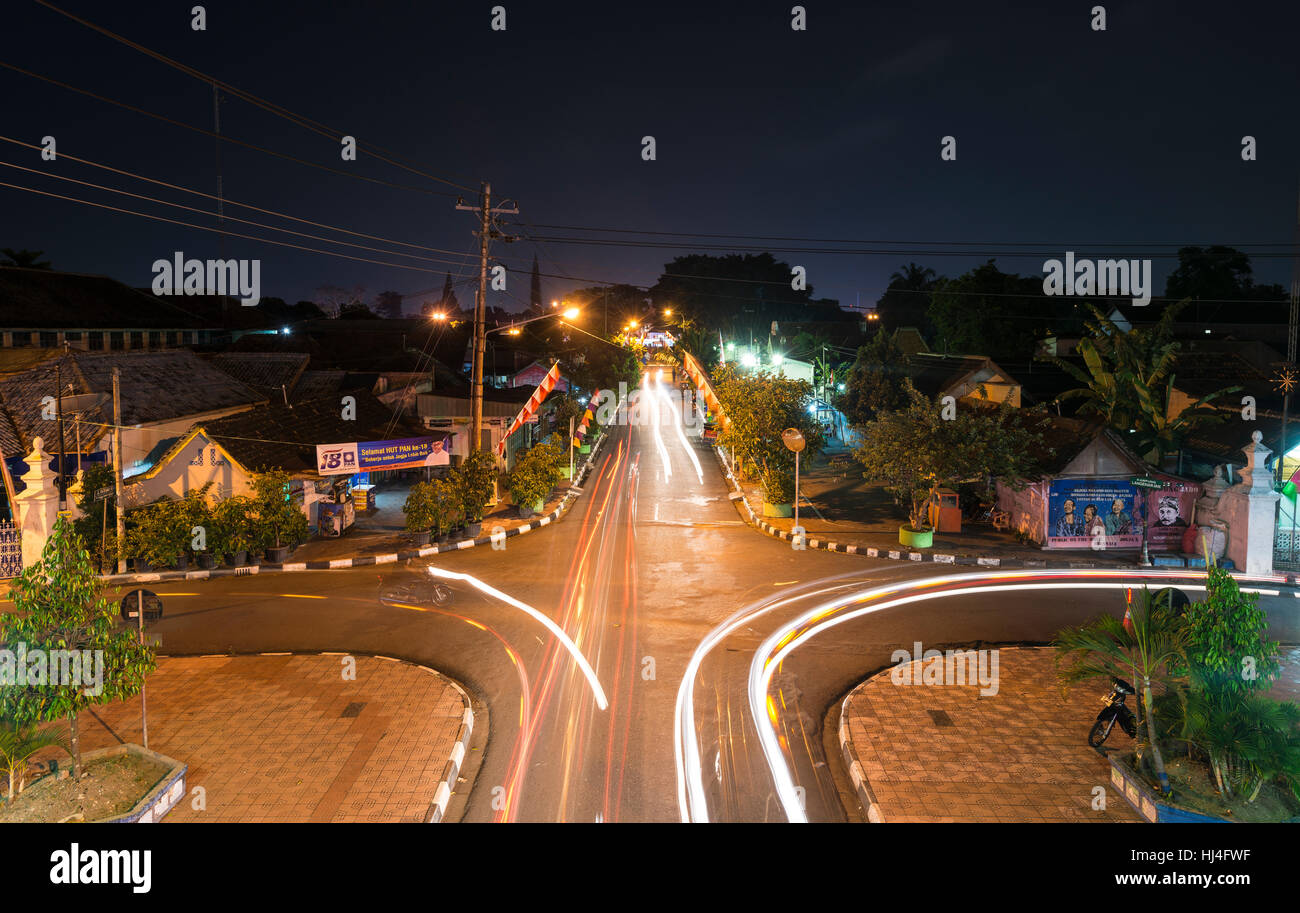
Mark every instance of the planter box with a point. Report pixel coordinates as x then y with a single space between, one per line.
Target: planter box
237 559
278 555
1146 802
207 562
165 794
778 510
474 530
922 539
422 537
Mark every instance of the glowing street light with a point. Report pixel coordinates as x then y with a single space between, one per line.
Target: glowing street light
439 316
572 313
778 358
748 360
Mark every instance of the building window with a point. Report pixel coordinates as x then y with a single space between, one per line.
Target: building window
22 339
155 339
137 340
115 340
95 341
49 340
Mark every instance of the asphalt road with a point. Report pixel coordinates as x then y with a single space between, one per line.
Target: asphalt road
650 561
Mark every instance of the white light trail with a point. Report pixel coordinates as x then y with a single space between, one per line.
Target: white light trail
551 626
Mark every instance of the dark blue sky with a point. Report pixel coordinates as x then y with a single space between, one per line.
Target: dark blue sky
1063 134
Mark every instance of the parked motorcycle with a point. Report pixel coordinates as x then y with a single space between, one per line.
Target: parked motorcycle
1115 710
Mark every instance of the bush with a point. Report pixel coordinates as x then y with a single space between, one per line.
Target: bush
475 481
279 521
233 523
536 472
159 535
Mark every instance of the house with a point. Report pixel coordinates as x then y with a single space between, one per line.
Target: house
962 377
227 451
1081 494
48 309
534 374
451 413
162 394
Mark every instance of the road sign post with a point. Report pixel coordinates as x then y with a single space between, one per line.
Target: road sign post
793 440
142 605
1150 484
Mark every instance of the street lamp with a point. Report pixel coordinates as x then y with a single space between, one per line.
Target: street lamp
438 315
778 358
748 360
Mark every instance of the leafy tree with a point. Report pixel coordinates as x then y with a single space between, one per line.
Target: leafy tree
1217 273
1128 382
280 522
90 526
874 384
59 606
1227 640
27 259
983 312
1153 652
914 451
536 472
389 304
758 407
357 310
475 481
906 302
450 304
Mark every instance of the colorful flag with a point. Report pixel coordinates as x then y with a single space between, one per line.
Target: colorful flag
530 408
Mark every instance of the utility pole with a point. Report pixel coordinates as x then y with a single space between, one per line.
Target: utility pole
63 487
117 467
480 311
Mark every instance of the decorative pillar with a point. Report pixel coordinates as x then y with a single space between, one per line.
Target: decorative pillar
38 503
1249 509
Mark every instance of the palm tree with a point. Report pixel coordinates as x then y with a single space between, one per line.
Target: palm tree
27 259
1153 650
18 742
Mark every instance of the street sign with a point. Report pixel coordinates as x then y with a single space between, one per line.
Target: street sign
793 439
1146 482
153 608
105 492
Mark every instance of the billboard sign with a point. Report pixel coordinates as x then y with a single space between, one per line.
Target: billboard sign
1082 512
407 453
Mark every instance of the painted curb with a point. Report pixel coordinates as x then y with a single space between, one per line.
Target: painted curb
737 496
865 796
575 491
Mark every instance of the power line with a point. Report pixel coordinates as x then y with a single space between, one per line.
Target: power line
143 215
222 136
271 107
225 199
205 212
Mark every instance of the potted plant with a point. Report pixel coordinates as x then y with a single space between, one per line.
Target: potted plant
157 538
419 514
194 521
281 523
475 481
533 477
233 521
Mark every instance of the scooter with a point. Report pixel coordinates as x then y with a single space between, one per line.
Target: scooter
1114 710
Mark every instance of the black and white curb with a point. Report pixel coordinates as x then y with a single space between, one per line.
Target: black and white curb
865 796
445 789
570 496
892 554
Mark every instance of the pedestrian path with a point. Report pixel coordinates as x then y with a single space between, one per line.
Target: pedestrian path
287 738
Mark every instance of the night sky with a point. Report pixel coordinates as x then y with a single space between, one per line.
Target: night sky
1065 136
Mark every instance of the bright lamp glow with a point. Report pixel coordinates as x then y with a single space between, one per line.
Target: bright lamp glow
748 360
840 388
731 347
571 313
778 358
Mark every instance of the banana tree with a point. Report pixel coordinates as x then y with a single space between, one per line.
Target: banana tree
1152 651
1158 433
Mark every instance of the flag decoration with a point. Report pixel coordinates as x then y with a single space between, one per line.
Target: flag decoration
1128 611
586 419
530 408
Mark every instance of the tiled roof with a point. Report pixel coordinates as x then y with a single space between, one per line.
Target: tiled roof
155 387
932 373
267 371
38 299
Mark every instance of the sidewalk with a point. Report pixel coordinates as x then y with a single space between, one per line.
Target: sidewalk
838 507
949 754
286 738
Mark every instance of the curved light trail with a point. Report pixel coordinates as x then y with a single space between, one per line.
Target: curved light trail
551 626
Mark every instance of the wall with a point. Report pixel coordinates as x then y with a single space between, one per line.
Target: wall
1027 508
191 468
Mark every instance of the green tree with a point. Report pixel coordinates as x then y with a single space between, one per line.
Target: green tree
1154 652
915 451
1217 273
906 302
27 259
475 480
91 525
280 521
874 384
58 606
758 407
988 312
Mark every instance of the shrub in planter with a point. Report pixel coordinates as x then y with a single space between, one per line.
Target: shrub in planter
235 533
280 522
534 475
158 536
197 524
475 482
418 508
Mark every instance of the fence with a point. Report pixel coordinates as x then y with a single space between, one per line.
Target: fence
11 550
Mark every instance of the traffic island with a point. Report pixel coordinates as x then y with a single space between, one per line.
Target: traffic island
327 737
124 784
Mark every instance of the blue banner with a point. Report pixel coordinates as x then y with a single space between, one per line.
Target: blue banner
1094 513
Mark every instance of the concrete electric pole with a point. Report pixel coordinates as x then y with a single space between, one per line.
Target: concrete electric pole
480 311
